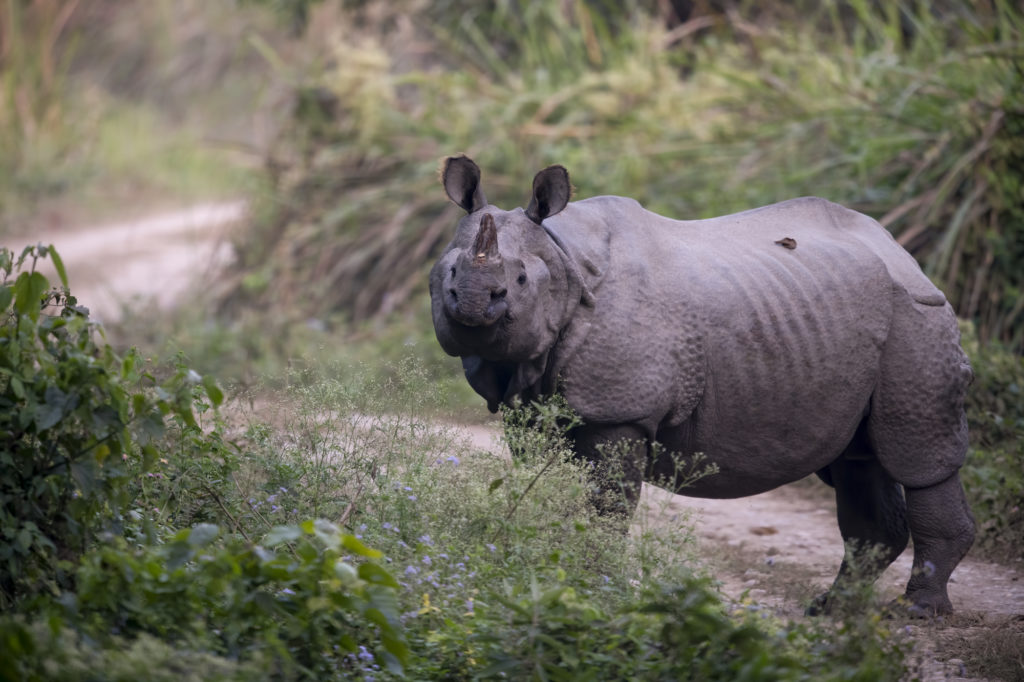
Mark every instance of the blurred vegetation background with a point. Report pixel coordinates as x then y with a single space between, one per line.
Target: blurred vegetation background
330 117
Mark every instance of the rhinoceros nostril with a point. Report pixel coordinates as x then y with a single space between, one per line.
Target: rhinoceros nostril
499 294
451 292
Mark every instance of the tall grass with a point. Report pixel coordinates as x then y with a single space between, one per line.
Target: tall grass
911 115
36 129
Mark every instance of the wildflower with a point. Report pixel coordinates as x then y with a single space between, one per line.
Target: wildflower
386 525
453 459
364 654
407 488
272 498
288 591
362 526
425 539
492 547
411 570
426 559
283 489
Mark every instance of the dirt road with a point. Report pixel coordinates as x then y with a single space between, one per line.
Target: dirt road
147 261
779 548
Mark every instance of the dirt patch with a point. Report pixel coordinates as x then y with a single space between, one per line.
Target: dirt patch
150 261
783 547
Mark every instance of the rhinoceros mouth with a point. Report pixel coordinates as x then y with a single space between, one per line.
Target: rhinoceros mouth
482 314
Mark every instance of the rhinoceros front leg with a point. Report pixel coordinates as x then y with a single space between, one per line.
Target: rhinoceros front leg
618 453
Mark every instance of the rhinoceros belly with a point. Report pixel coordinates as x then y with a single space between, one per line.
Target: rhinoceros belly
792 341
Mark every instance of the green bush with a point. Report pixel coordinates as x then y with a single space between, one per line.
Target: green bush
994 473
503 564
310 612
74 418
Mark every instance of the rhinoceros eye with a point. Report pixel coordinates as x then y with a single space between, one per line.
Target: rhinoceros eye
453 272
521 279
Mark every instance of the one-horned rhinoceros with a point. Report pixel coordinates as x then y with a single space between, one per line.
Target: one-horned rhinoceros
783 341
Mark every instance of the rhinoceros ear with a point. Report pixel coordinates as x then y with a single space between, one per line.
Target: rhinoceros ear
551 192
461 180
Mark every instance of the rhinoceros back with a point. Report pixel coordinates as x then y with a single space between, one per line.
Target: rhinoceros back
901 265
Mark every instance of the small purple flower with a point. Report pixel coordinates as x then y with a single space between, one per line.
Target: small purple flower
272 498
412 497
491 547
425 539
401 543
287 591
386 525
362 526
426 560
453 459
364 654
283 489
469 606
407 489
411 570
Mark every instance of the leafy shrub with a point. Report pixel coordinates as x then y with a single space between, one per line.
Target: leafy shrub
310 612
73 414
504 566
994 473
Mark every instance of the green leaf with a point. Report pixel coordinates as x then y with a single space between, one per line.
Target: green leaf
56 404
6 296
328 533
213 391
58 264
281 534
203 534
28 293
352 544
372 573
495 484
18 388
84 471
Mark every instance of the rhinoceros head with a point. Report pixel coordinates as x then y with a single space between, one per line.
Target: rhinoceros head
502 288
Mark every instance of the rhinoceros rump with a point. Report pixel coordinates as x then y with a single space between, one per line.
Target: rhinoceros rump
782 341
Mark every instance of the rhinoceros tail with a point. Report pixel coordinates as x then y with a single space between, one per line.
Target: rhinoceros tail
901 265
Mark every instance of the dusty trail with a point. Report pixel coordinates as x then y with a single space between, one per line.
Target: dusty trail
778 548
147 261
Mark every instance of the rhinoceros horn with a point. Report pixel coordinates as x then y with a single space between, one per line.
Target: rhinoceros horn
485 246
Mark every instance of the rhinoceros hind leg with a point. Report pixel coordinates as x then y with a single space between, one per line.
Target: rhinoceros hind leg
872 519
942 526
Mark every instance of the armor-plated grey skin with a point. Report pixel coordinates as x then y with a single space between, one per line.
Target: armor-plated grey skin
787 340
